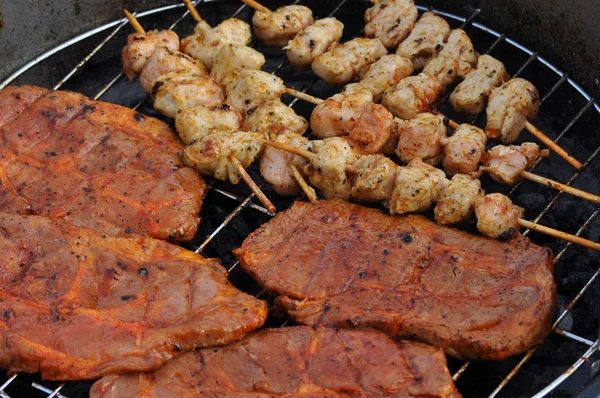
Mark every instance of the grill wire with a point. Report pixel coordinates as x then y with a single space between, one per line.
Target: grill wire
229 213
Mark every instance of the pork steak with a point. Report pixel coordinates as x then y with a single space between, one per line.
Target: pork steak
77 304
296 362
95 164
341 264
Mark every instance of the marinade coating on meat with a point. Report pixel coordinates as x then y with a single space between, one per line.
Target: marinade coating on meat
77 304
340 264
95 164
297 361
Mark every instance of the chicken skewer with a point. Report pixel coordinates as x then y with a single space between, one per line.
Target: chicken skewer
231 157
497 216
524 174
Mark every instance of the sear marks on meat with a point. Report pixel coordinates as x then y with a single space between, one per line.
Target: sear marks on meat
77 304
97 165
340 264
297 361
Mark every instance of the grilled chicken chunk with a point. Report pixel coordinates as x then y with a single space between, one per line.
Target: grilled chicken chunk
348 61
374 177
278 27
413 95
231 60
387 71
296 362
471 95
313 41
140 47
421 137
497 216
340 264
456 59
253 88
354 114
417 187
163 61
390 21
210 153
274 118
78 304
205 42
506 163
200 120
177 91
275 164
458 200
425 40
509 108
327 169
463 150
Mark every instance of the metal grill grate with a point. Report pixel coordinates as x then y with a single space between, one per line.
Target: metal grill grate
222 225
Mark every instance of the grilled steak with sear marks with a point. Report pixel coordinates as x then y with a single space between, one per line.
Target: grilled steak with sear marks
98 165
296 362
76 304
344 265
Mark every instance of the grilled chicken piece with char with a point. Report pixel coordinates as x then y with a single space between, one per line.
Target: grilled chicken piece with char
275 164
353 113
274 118
94 165
509 108
422 138
253 88
425 40
327 169
471 95
348 61
456 59
458 200
497 216
196 122
79 304
210 153
205 42
140 46
387 71
506 163
297 361
164 61
231 60
373 178
413 95
390 21
313 41
174 92
357 267
463 150
417 187
277 28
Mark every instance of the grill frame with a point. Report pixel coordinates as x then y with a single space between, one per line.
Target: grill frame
245 202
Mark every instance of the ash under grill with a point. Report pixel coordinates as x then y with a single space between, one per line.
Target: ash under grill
567 115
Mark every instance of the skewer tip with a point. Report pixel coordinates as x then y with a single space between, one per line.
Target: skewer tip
193 11
133 21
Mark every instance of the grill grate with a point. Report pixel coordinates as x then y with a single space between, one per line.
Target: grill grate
223 230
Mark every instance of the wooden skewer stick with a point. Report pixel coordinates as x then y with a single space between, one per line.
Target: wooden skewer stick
192 10
303 96
290 148
308 190
134 22
256 5
559 234
561 187
553 145
259 194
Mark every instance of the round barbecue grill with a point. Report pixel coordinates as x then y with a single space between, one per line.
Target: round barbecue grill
562 366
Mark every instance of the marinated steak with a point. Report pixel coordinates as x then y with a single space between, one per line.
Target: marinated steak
77 304
295 362
340 264
95 164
